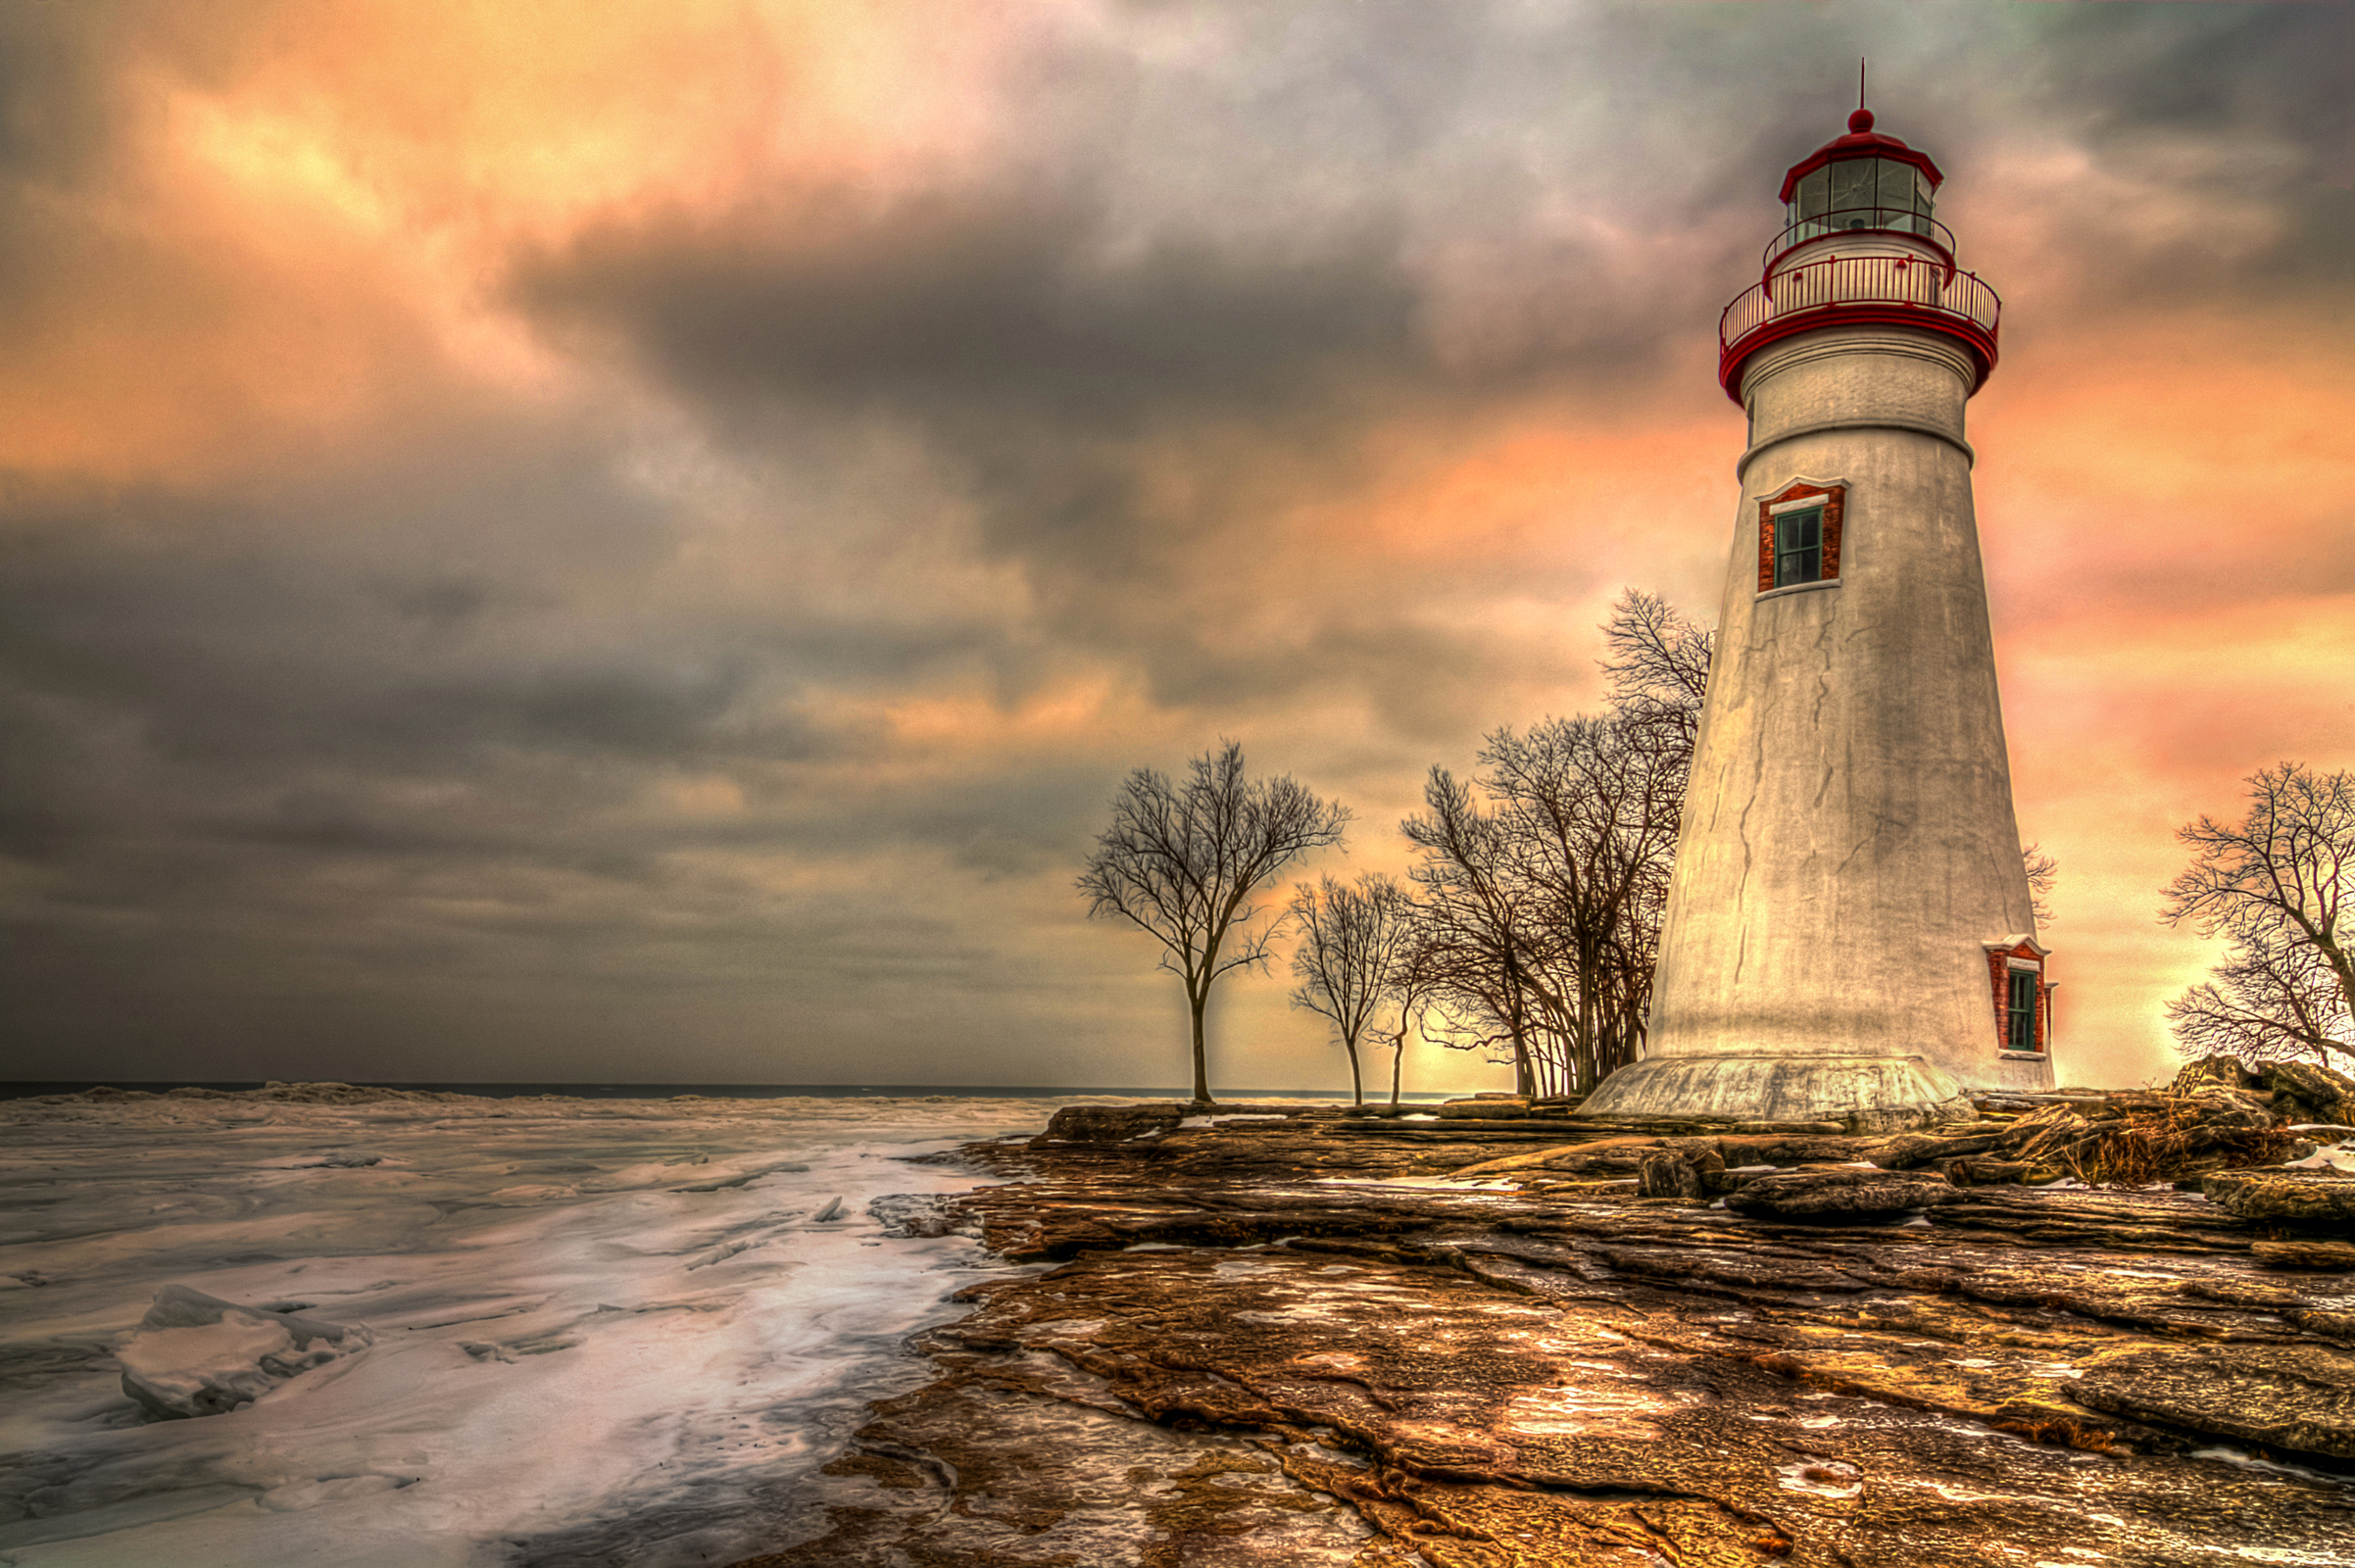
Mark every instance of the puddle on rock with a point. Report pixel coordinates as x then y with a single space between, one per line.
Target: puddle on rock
1821 1478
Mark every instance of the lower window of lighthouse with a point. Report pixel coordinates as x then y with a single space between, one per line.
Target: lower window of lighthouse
2020 1032
1798 547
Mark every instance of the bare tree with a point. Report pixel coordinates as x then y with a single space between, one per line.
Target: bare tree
1182 860
1415 976
1542 910
2279 886
1659 668
1476 947
1353 938
2042 872
1591 807
2272 999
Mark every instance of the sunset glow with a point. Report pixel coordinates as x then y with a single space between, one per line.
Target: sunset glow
637 543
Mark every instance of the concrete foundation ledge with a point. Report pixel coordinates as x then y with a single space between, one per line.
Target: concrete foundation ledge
1872 1094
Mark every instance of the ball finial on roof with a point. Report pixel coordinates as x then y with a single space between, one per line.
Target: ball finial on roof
1860 122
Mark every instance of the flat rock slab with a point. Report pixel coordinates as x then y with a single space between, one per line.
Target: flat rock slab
1200 1407
2305 1254
2324 1200
2296 1396
1241 1358
1815 1195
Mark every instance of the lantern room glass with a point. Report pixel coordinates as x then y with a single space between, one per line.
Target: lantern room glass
1861 193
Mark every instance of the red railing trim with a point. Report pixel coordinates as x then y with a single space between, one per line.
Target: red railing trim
1875 290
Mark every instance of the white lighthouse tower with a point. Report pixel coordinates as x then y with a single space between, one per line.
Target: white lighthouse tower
1849 927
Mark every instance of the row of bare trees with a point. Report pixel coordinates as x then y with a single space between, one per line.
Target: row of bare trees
1533 918
1544 879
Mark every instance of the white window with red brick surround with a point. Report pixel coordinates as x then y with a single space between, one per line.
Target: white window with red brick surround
1799 535
2023 995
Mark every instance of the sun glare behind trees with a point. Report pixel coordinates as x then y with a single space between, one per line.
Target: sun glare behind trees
1542 880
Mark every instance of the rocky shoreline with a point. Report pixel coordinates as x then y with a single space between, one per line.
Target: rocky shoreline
1312 1338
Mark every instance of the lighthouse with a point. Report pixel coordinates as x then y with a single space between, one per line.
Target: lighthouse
1849 933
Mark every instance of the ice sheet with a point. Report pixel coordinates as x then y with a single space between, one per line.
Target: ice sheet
601 1328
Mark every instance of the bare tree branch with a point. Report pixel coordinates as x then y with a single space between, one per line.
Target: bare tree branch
2272 999
1351 941
2042 872
1181 862
2279 887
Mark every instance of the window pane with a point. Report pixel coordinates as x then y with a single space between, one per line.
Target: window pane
1811 193
2022 1033
1896 190
1852 187
1798 547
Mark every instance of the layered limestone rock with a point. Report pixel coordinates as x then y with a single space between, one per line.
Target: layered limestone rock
1290 1342
2316 1198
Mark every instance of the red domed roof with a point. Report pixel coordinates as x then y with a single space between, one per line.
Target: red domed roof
1861 141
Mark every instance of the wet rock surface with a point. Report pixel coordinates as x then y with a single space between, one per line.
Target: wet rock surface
1290 1342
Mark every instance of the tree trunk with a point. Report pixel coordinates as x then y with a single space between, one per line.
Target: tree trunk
1201 1066
1525 1081
1357 1078
1397 1065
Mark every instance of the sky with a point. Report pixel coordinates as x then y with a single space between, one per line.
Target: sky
637 542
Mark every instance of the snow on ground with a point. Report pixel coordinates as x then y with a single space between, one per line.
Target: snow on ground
2335 1156
591 1328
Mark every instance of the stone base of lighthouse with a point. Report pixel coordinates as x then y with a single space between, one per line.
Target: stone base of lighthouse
1873 1093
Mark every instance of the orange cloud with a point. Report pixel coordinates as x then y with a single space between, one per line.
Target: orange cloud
304 219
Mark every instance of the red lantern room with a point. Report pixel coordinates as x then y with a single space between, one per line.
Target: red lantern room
1860 247
1860 183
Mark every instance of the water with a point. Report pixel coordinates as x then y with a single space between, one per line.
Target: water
604 1329
24 1088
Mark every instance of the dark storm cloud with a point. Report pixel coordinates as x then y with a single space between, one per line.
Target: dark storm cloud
54 84
973 309
2274 67
2247 108
1048 375
1123 415
156 688
55 120
514 710
1071 337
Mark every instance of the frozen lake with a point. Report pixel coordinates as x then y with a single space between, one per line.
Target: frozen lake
596 1330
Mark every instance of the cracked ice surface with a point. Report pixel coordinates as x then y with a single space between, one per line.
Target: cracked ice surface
601 1327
